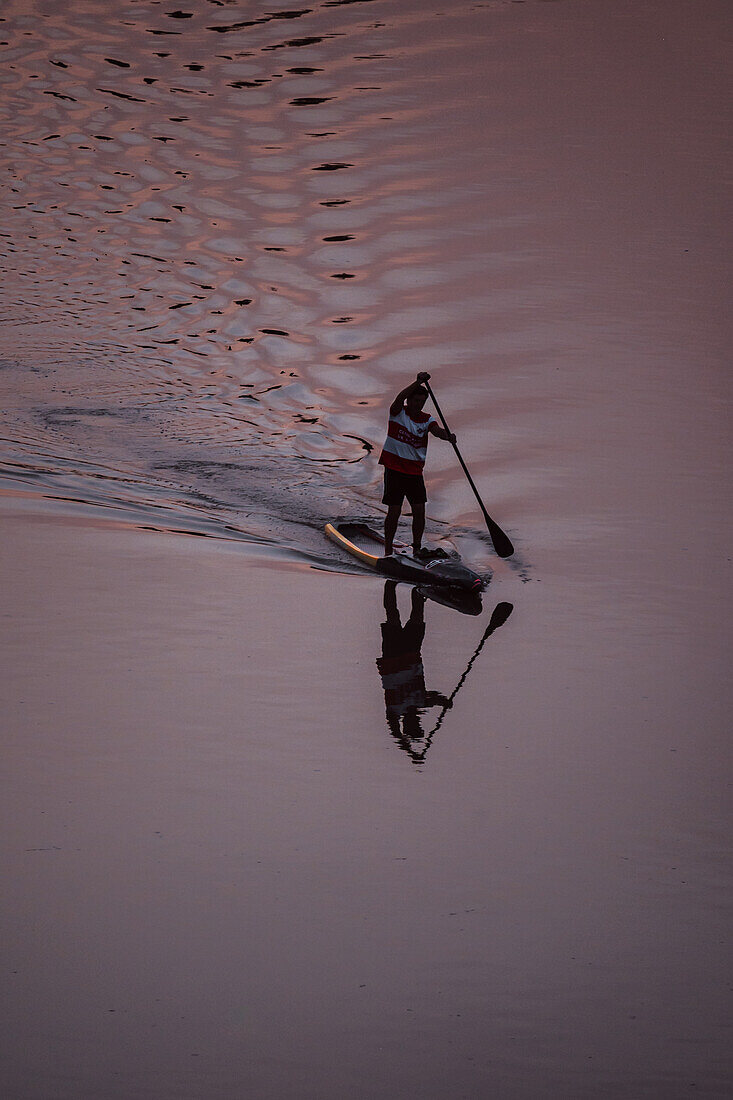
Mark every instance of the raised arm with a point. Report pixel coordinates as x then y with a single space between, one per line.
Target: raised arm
402 396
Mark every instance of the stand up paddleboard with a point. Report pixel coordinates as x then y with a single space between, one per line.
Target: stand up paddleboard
367 545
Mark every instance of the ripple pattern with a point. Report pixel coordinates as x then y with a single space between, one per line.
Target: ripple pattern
230 237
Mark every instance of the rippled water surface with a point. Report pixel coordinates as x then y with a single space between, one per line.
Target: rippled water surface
230 235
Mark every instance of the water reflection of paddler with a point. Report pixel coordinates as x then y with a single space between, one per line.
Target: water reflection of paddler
401 669
403 678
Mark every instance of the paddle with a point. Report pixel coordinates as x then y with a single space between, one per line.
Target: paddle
499 616
502 542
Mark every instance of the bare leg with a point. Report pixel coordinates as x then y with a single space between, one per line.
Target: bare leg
418 525
390 526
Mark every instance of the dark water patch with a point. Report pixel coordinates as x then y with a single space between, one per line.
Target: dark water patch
236 26
148 256
299 43
119 95
366 445
227 28
294 13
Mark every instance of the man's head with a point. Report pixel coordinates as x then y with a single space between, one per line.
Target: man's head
416 400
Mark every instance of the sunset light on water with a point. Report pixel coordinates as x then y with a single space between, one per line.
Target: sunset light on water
277 822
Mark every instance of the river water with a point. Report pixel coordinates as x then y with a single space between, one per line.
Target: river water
231 234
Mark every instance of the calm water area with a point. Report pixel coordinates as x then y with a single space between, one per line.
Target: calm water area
231 233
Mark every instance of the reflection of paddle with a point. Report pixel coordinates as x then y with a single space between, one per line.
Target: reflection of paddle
499 616
502 543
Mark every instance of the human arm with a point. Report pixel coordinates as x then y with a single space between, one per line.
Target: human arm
402 396
435 429
435 699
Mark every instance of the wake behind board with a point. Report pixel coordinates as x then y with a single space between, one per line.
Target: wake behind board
359 540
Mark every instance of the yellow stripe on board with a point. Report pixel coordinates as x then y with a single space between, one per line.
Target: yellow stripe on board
346 544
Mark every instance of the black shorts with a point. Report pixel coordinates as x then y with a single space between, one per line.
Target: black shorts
397 486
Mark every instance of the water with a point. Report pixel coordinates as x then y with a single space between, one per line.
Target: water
231 235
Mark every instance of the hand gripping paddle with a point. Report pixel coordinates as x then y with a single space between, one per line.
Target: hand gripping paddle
502 542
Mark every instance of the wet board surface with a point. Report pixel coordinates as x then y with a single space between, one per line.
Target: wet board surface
445 570
363 537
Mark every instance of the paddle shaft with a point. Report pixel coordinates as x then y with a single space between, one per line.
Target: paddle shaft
502 542
499 616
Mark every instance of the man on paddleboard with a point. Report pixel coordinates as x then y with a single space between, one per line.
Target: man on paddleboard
403 458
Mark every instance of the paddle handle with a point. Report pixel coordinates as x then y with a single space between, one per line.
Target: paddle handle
502 542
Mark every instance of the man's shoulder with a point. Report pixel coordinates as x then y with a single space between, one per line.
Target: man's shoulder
418 418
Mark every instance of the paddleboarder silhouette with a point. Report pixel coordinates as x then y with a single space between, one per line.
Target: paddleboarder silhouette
403 678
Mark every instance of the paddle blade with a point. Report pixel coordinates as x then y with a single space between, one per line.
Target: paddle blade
502 543
499 616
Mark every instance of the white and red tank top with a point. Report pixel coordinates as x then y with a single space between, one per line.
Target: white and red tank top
406 445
